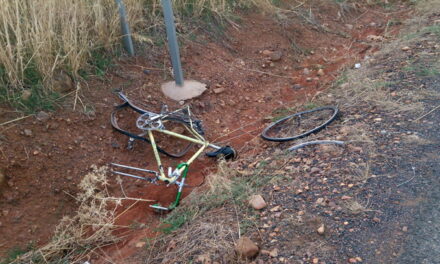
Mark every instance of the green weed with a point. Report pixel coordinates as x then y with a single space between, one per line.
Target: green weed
16 252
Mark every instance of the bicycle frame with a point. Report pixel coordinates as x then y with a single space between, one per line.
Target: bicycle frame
175 175
152 123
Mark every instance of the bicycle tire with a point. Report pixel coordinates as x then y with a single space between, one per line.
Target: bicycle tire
116 126
332 117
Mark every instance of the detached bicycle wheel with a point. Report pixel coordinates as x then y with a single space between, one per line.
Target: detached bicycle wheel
300 124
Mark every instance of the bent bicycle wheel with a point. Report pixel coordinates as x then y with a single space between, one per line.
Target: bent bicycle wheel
300 124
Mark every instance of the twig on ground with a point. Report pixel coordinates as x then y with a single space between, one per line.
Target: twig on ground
412 178
423 116
316 142
15 120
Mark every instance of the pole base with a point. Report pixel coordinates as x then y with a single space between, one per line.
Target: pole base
190 89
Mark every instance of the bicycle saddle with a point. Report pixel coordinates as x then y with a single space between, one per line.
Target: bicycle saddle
225 152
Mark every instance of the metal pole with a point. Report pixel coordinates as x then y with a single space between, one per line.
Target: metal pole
173 46
128 43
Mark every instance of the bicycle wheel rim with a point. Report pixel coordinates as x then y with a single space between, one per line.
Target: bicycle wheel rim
333 112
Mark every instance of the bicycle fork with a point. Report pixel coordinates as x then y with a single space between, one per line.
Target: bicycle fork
181 184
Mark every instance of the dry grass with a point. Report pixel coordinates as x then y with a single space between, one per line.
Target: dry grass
40 38
88 230
210 238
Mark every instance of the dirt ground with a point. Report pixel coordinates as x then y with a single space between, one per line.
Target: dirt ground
263 67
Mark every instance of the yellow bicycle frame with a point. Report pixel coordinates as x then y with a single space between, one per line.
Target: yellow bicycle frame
198 140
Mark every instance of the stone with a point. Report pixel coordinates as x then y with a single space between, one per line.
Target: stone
26 94
315 170
219 90
140 244
204 259
320 72
246 248
321 230
28 132
306 71
276 208
406 48
276 55
42 116
274 253
267 52
297 86
375 38
257 202
62 82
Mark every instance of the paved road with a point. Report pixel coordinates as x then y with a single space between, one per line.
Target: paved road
423 241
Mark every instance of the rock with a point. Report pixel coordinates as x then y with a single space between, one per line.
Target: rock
276 55
246 248
140 244
28 132
267 52
306 71
315 260
375 38
257 202
321 230
275 209
204 259
265 252
219 90
406 48
26 94
376 219
274 253
405 229
320 72
345 85
297 86
345 197
42 116
349 26
315 170
62 82
309 79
